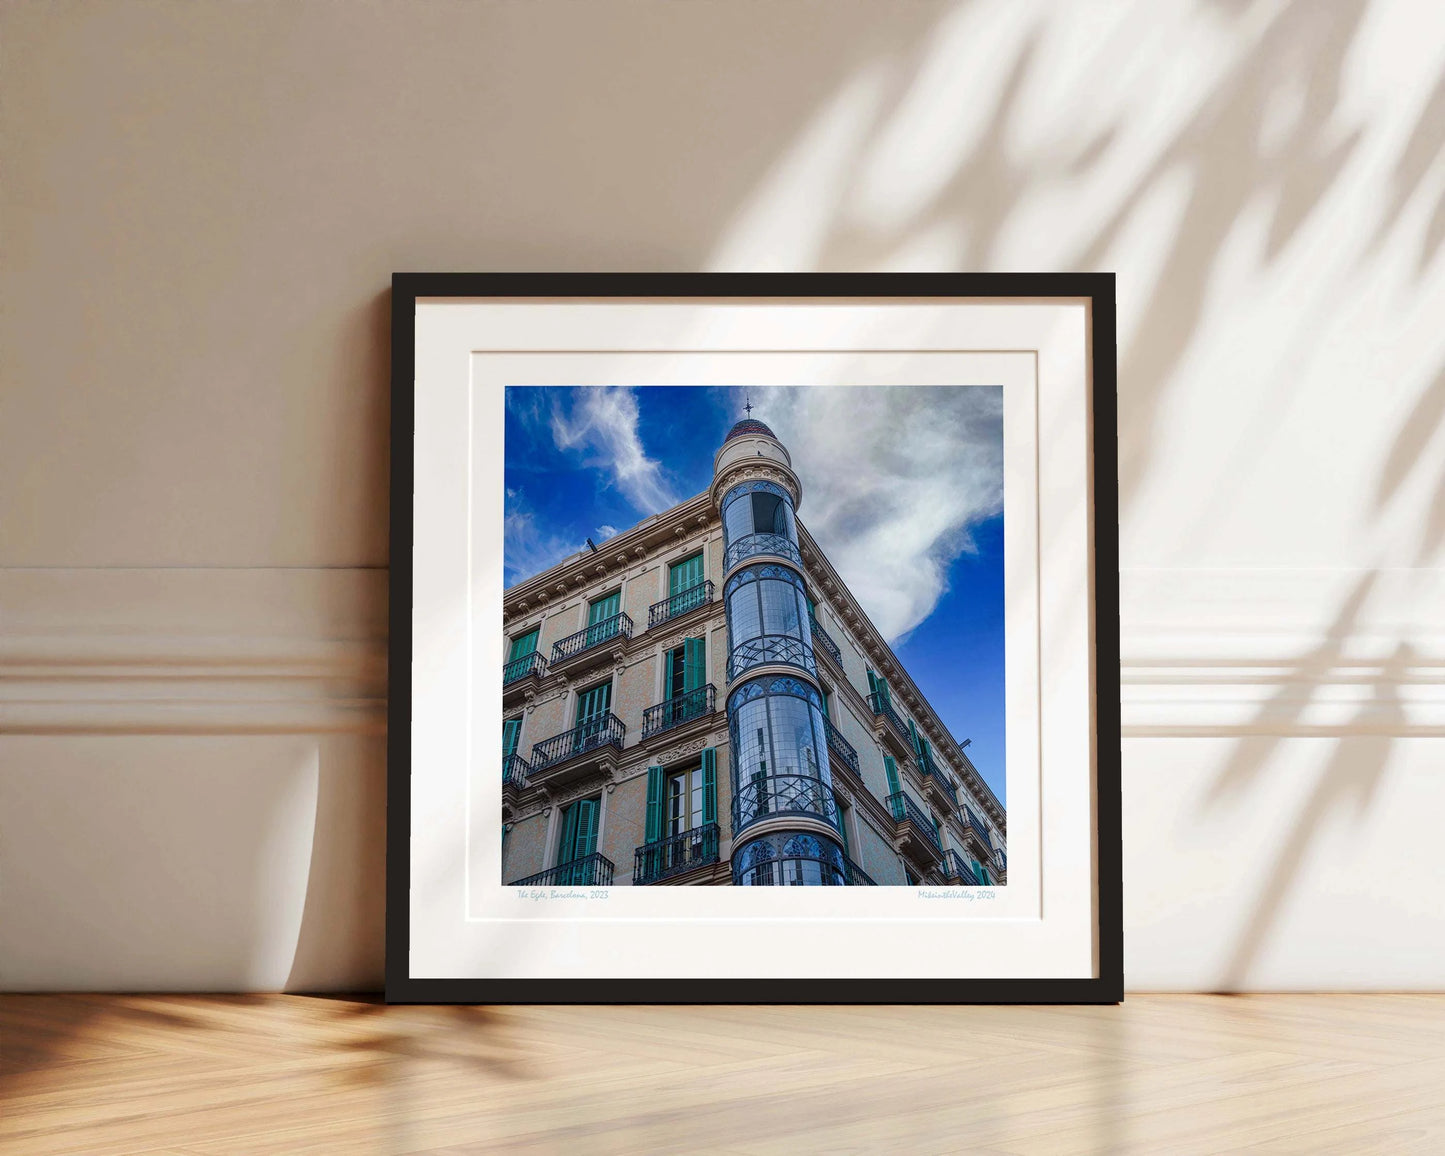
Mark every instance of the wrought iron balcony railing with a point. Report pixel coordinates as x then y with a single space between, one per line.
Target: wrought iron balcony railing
855 875
932 770
675 855
769 795
882 706
584 737
680 603
972 823
955 868
676 711
906 810
532 663
618 626
754 544
822 636
786 859
515 770
782 649
842 749
589 871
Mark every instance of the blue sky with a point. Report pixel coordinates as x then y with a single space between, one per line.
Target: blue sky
902 488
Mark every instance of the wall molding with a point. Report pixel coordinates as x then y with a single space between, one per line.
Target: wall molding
1205 652
1283 651
192 651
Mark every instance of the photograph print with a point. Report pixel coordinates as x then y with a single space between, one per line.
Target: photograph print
753 637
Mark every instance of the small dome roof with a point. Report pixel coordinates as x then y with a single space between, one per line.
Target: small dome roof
748 426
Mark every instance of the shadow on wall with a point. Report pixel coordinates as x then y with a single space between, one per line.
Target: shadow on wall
943 156
943 136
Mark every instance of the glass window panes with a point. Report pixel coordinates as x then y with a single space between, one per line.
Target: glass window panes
757 508
781 757
684 801
767 601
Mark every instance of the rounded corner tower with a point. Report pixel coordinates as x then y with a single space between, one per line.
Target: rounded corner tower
785 817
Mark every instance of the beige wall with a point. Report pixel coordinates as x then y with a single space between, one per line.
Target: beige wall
202 203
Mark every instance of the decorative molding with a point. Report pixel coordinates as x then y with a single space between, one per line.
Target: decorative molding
1291 652
193 651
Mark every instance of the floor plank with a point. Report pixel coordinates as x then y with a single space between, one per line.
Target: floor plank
94 1075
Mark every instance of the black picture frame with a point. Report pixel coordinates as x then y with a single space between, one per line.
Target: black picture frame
1098 290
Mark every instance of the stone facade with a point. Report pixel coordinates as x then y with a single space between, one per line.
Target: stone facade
925 837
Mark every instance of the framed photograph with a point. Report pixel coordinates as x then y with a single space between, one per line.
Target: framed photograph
754 638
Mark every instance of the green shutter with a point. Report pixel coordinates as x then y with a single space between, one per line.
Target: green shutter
586 827
511 731
669 659
694 663
843 831
684 575
709 785
885 690
524 645
913 734
893 788
594 703
654 805
872 683
604 608
568 840
828 705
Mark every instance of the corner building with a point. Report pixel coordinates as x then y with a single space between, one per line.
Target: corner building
701 700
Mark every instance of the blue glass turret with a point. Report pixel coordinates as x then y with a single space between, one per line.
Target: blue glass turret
785 816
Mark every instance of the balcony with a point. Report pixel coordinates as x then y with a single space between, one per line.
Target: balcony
593 646
522 675
770 795
676 855
841 749
823 638
781 859
975 829
917 840
771 649
587 748
515 770
955 870
855 876
589 871
892 730
683 602
771 545
685 708
936 784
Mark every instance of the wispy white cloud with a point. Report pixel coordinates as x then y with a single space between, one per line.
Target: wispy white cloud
602 423
526 548
893 480
604 532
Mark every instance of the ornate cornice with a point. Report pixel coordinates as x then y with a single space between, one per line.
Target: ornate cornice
614 557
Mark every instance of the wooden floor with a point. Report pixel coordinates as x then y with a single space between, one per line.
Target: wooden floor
229 1075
